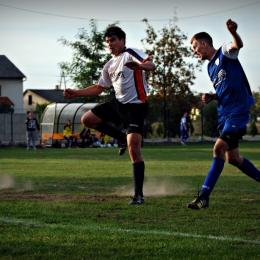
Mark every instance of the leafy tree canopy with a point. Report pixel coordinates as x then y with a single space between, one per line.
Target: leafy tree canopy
89 57
255 109
169 84
5 108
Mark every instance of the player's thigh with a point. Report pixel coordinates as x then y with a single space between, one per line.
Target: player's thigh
108 112
134 117
89 119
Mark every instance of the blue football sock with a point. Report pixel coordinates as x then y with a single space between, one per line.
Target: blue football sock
212 177
249 169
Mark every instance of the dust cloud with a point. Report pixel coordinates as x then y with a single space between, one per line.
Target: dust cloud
156 187
7 182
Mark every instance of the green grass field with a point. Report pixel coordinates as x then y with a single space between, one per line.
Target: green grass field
73 204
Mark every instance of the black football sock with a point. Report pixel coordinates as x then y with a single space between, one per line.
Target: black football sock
138 174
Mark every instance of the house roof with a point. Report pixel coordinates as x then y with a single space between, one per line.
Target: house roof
52 95
8 69
7 100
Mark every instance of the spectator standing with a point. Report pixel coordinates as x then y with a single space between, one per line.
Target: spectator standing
32 129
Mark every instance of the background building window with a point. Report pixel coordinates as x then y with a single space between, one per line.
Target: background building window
30 100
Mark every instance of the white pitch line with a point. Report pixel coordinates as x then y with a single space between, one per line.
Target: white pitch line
134 231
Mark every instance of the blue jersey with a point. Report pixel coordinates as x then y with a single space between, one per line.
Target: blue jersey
233 91
183 121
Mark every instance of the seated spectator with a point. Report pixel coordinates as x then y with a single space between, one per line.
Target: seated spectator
96 142
85 135
69 135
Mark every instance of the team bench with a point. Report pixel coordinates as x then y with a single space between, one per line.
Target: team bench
57 138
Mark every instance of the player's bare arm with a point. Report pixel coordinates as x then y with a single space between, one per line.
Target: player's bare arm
133 65
86 92
237 41
206 98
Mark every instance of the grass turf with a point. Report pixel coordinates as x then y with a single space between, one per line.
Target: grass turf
73 204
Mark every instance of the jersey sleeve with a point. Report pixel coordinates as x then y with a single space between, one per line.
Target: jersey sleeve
138 55
104 79
228 51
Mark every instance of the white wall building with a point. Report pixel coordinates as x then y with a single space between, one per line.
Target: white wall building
11 83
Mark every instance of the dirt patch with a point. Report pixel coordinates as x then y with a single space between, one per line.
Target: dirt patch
53 197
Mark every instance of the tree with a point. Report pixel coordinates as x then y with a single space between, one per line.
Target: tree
89 57
170 94
252 130
5 108
255 109
40 109
210 121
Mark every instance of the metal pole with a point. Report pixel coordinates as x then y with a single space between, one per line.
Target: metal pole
12 141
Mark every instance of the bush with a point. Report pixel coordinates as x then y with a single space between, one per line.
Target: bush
210 121
252 130
157 130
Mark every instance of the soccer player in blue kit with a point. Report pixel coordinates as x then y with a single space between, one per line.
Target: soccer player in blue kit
184 129
234 98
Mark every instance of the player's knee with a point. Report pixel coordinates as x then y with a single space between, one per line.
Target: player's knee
85 120
218 152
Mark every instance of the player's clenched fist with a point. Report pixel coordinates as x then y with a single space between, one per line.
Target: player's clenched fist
231 26
68 93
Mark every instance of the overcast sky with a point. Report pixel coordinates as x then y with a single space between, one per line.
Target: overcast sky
30 30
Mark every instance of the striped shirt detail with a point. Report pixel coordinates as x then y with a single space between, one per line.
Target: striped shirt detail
140 89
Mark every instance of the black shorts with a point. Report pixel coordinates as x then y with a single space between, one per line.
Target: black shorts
232 139
131 116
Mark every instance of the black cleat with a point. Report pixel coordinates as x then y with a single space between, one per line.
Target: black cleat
199 203
137 200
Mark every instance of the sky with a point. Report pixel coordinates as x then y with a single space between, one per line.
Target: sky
30 30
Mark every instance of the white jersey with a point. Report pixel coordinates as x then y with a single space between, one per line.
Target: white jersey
130 85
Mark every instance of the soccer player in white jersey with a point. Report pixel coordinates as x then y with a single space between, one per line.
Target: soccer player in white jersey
125 71
234 98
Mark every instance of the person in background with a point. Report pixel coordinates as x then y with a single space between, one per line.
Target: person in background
71 138
184 129
86 137
32 129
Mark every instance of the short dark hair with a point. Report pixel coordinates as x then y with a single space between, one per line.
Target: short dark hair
114 30
202 36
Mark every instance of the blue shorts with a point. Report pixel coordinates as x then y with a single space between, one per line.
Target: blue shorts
232 123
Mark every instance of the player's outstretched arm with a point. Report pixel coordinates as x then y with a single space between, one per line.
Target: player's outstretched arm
86 92
237 41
